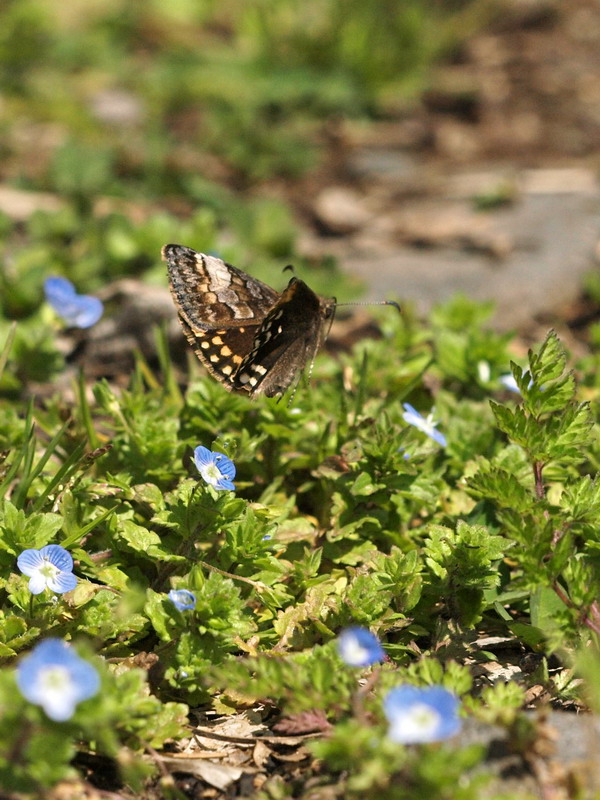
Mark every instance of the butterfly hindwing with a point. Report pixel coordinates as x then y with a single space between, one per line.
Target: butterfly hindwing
221 350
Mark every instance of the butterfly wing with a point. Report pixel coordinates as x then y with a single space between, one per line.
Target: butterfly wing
220 308
288 337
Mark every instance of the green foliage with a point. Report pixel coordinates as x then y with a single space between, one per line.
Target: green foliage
133 108
463 565
343 515
376 765
302 682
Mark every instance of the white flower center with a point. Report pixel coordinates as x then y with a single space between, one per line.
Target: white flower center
429 424
211 474
354 653
420 720
48 570
483 371
54 679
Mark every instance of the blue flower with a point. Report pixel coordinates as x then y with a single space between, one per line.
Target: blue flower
78 310
509 382
421 715
425 424
216 469
55 677
182 599
358 647
51 567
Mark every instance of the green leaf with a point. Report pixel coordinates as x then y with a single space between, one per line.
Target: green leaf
19 531
550 362
581 500
501 486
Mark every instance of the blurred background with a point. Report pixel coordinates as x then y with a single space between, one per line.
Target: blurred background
407 150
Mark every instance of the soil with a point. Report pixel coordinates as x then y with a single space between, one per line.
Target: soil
489 187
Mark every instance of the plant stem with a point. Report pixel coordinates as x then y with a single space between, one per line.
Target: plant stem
538 467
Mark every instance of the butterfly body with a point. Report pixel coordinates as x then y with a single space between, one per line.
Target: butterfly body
251 338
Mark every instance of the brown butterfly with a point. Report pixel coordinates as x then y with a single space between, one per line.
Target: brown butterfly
250 338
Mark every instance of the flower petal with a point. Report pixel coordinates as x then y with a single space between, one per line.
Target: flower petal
225 465
202 456
55 677
87 311
411 415
421 715
30 561
37 583
63 582
58 290
79 310
182 599
437 436
57 555
215 468
358 647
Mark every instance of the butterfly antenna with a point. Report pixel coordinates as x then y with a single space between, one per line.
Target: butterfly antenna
372 303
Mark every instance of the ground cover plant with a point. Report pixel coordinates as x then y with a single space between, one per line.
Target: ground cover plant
192 549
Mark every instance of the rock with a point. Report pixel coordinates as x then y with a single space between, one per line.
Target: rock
549 236
341 210
117 107
19 204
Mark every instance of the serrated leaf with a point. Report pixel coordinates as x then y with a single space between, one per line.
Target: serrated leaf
573 431
515 423
581 500
550 389
559 437
494 483
550 362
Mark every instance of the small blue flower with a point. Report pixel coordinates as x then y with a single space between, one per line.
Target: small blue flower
55 677
51 567
182 599
216 469
509 382
358 647
425 424
78 310
421 715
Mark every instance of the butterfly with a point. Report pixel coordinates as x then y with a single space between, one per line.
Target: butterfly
251 338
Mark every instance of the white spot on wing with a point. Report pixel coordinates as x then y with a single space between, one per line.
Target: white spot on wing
220 277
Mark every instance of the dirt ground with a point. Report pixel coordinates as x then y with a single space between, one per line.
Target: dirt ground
488 187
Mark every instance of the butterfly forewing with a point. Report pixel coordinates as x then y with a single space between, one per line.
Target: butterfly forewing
251 338
208 292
